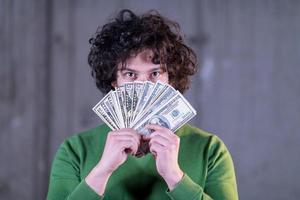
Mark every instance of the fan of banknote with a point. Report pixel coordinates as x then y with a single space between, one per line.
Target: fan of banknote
136 104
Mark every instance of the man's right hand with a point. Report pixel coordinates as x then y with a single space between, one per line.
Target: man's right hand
119 144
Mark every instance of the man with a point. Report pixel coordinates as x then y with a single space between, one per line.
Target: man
105 164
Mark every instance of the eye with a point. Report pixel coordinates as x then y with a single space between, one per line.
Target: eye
155 74
130 75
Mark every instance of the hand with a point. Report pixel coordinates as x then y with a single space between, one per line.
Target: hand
118 145
164 145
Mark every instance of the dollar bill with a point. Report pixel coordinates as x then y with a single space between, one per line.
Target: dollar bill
117 108
155 92
104 107
129 92
104 117
156 104
109 103
147 90
136 104
120 91
172 115
137 93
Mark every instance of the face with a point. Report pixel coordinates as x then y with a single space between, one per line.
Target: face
140 68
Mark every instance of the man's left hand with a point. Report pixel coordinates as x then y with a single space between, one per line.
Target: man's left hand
164 146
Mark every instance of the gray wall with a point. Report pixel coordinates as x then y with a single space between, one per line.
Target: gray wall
247 91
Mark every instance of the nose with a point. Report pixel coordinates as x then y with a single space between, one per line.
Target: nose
143 77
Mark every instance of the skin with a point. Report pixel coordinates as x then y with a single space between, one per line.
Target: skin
163 143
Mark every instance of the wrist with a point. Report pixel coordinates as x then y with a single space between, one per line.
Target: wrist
97 179
100 171
174 179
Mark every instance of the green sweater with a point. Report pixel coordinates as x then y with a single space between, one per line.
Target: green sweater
203 157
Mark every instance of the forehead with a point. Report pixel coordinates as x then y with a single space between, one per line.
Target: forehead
140 62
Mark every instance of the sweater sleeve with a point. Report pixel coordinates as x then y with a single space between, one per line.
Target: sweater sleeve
65 182
220 182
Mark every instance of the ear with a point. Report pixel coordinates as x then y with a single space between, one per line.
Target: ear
114 84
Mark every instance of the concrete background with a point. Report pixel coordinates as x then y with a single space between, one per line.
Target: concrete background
247 91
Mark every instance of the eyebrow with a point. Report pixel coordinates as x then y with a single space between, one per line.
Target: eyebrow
135 71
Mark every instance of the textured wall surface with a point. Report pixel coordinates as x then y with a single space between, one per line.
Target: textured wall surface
247 91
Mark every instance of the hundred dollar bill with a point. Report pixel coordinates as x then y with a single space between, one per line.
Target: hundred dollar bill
147 89
129 92
107 110
137 92
172 115
103 116
159 87
120 91
117 108
155 92
109 103
156 104
162 87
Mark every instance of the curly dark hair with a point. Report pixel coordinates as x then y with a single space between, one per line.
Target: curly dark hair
129 34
